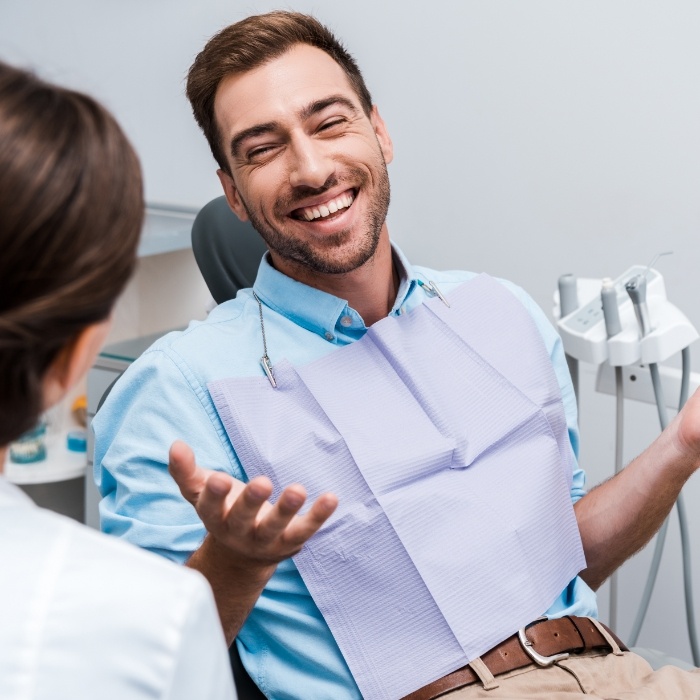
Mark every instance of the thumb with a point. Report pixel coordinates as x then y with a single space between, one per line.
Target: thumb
183 468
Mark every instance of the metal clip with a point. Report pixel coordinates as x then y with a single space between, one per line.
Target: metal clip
267 366
432 288
538 658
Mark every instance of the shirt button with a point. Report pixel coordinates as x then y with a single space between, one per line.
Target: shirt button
329 335
346 321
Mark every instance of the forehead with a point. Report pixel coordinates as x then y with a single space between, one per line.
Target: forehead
277 90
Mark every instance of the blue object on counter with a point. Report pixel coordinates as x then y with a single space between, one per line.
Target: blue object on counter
30 447
76 441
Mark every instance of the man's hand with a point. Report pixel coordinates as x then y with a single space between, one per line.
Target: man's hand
248 536
240 517
685 432
617 518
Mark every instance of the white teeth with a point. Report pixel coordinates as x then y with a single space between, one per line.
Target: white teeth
324 210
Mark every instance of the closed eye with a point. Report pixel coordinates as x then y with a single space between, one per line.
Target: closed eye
329 125
259 152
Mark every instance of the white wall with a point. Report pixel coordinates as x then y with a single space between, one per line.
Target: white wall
531 138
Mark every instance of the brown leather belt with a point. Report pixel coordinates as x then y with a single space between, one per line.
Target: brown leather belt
546 638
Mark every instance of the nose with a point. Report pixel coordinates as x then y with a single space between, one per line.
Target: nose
311 164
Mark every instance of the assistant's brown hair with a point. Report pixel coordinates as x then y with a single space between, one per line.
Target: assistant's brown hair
71 209
251 43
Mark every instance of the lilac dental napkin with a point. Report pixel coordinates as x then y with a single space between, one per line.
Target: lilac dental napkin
443 435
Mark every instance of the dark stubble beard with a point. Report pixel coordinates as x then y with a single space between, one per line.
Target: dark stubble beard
324 258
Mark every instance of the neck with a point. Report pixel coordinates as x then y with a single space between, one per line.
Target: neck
3 456
370 289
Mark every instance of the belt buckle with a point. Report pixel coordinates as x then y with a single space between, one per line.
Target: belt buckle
540 660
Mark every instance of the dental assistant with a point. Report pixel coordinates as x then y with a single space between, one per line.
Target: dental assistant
296 136
82 615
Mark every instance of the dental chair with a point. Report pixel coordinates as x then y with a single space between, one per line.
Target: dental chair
227 250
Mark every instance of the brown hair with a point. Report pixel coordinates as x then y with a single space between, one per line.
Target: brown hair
249 44
71 209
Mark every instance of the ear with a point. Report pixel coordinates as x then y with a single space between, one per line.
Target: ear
382 134
232 196
73 362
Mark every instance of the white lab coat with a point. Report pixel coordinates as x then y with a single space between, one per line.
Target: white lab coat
83 615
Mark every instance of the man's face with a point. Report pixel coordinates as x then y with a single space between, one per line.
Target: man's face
308 166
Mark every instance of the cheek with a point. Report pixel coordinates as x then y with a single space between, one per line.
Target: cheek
366 155
265 186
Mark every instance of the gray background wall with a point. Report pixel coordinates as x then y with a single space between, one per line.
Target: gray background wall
531 138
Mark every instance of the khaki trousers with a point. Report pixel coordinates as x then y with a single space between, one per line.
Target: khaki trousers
595 675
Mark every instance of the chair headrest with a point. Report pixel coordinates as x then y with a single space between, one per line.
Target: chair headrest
227 250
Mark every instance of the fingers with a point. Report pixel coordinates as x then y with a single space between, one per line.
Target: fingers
189 478
305 526
274 532
228 503
240 515
281 514
206 489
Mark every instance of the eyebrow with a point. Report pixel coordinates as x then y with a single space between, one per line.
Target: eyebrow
320 105
304 114
252 132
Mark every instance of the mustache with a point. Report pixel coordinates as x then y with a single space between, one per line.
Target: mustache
302 191
295 196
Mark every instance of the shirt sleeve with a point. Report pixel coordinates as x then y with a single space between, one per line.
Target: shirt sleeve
152 405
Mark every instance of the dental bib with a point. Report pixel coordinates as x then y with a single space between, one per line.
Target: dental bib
443 434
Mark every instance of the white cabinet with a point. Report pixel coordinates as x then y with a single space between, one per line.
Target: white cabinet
56 482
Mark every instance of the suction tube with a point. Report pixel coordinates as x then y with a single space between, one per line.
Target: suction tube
611 314
661 536
568 303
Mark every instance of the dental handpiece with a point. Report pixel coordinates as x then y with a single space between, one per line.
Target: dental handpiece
568 294
611 314
637 290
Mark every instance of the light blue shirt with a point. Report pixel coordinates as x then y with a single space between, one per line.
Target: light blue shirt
285 644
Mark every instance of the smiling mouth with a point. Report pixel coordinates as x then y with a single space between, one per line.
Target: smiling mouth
326 210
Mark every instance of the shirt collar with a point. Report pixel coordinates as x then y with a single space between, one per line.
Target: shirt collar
313 309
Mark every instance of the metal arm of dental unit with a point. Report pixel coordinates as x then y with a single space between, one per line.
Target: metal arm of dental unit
622 322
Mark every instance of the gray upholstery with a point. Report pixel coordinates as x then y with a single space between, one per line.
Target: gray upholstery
227 250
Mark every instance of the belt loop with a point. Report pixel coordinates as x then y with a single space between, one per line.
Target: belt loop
485 676
608 637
